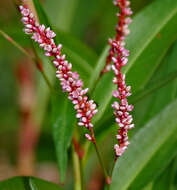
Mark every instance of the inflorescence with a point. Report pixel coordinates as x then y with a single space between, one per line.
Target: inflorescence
69 80
73 85
118 55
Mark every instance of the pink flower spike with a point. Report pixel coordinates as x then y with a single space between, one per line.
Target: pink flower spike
118 55
69 80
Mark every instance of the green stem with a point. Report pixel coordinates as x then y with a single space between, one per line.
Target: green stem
34 59
99 156
77 171
97 71
47 81
95 85
100 160
82 173
113 166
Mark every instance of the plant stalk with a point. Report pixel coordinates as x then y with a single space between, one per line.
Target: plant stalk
77 171
107 178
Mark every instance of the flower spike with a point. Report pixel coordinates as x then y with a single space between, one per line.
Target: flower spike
118 56
69 80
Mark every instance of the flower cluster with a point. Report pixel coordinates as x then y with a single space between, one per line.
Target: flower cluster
69 80
118 55
121 31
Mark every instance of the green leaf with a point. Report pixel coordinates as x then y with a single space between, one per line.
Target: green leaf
99 66
149 186
63 120
153 30
154 86
88 17
41 14
174 185
101 97
27 183
78 47
163 96
165 180
151 149
58 15
138 4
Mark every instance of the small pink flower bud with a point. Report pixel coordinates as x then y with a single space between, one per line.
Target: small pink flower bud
50 34
48 48
93 106
115 94
25 12
88 137
131 126
80 124
94 112
130 108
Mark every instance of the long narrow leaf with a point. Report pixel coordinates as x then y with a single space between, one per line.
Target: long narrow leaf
151 148
63 120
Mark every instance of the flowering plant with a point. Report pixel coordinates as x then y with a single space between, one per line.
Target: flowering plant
71 83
